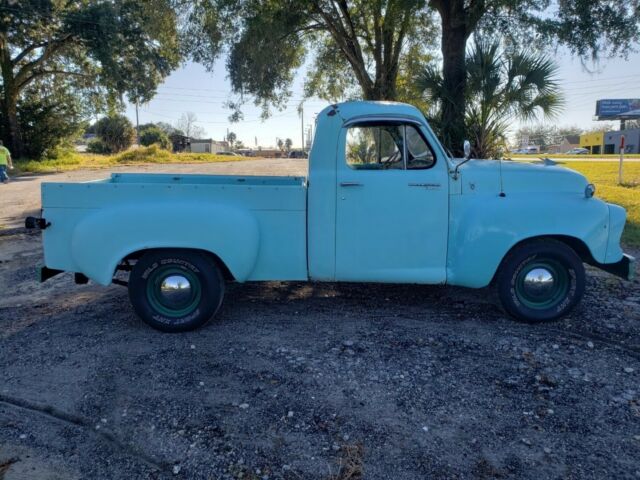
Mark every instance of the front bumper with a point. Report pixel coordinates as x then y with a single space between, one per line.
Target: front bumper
625 268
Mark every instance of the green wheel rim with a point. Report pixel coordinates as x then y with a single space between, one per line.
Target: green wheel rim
542 284
188 298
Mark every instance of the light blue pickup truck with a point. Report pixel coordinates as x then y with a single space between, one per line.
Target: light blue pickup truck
383 202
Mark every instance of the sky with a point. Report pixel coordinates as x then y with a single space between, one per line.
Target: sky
193 89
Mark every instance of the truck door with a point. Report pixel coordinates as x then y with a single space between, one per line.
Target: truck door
392 205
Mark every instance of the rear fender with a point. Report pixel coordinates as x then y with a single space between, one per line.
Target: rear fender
102 239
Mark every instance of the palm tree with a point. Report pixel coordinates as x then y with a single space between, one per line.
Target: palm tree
502 86
231 139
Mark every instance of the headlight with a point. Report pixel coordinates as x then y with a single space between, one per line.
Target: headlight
590 190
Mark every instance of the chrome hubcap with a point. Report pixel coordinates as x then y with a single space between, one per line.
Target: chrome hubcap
538 283
175 291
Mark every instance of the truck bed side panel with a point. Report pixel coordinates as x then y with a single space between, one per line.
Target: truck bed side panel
258 230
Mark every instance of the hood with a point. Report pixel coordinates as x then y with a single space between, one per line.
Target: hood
494 176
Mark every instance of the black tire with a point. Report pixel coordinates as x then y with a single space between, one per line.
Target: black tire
520 281
176 290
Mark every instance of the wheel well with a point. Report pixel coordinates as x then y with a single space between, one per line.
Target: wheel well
226 273
573 243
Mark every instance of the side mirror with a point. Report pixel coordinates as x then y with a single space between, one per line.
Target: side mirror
467 149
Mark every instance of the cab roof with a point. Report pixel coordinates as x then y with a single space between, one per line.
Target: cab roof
354 109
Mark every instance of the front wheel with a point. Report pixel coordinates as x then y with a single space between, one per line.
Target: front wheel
176 290
541 280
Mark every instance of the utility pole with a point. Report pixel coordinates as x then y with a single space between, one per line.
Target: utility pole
302 125
621 159
137 125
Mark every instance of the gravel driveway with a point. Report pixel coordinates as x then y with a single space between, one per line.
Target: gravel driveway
314 381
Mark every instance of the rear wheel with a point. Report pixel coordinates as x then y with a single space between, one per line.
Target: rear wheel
176 290
541 280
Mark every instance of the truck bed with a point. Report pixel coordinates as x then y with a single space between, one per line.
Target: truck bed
181 205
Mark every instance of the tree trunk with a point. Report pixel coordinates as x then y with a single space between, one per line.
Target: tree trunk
9 105
10 113
454 42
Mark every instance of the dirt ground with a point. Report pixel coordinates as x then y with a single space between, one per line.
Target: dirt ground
314 381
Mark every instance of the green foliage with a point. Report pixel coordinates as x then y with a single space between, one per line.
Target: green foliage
97 146
231 138
49 121
588 28
356 48
155 136
116 132
501 86
100 50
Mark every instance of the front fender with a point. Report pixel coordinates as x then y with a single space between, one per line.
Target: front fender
102 239
485 227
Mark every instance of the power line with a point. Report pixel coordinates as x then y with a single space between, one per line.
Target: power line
597 79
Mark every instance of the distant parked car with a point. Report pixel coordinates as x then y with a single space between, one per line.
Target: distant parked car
530 150
297 154
578 151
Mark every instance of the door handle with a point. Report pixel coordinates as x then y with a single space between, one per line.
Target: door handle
350 184
425 185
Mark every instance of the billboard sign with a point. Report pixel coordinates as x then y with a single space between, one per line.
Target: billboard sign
612 109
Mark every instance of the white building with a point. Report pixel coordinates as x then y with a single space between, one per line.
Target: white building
207 145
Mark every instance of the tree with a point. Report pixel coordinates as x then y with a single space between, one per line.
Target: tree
116 132
359 43
280 144
51 115
154 136
287 144
187 125
231 138
108 48
585 27
502 86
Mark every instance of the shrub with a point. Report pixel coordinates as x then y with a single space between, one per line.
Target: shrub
152 154
46 122
96 145
154 136
116 132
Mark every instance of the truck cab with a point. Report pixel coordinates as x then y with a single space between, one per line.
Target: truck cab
383 202
378 196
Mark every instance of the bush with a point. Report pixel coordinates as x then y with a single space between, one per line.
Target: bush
46 122
116 132
96 145
152 154
154 136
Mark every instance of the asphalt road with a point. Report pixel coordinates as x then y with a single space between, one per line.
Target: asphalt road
313 381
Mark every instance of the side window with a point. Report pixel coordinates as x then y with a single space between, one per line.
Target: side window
378 147
387 147
419 155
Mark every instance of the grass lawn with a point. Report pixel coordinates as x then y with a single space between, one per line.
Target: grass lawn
604 175
561 156
138 156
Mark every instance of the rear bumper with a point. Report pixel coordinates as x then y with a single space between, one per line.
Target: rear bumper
625 268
